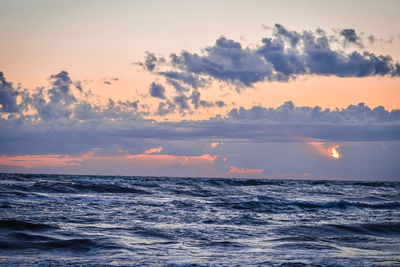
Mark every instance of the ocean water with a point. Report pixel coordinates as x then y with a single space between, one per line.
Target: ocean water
48 220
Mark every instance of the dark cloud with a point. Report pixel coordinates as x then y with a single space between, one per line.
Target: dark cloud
195 97
165 108
149 62
157 90
186 78
129 104
60 96
359 114
282 57
8 96
197 102
181 101
58 102
225 61
286 64
178 87
111 80
220 103
78 85
292 36
350 35
371 39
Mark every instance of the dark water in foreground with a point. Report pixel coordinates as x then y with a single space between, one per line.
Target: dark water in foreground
94 220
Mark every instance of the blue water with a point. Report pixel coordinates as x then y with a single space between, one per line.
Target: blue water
48 220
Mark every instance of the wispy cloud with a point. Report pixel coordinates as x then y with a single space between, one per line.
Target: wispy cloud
126 163
35 161
240 171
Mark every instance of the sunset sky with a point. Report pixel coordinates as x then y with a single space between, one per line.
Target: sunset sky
268 89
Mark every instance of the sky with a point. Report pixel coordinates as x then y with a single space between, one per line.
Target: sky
262 89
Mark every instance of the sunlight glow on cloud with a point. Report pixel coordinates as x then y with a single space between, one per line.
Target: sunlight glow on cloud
325 149
34 161
334 153
215 144
164 160
153 150
149 160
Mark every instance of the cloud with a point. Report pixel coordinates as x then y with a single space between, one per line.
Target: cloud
110 81
197 102
165 108
215 144
225 61
293 36
242 171
178 87
61 98
157 90
78 85
184 77
112 127
149 63
359 114
35 161
61 120
127 164
326 149
114 138
371 39
8 96
288 122
282 57
350 36
220 103
153 150
57 101
181 101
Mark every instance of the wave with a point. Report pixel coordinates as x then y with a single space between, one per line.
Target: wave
316 232
273 205
25 241
305 245
24 225
78 187
20 234
347 204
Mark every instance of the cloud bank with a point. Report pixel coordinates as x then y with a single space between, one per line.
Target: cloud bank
59 119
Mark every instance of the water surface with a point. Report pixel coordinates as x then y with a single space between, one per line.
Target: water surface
110 220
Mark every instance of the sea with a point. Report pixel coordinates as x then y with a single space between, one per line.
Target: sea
71 220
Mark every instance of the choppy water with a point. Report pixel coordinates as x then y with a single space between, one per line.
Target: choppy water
98 220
